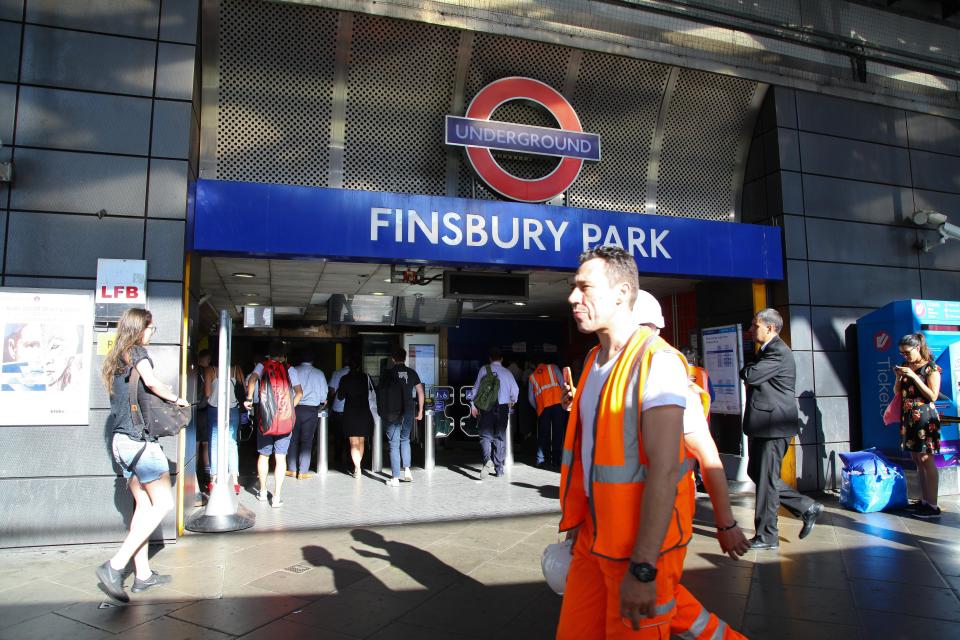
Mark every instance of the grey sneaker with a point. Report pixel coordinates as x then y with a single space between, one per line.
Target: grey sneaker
486 468
155 580
407 476
112 581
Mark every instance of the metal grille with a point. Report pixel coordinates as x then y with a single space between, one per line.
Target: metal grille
276 88
496 57
704 125
624 113
400 85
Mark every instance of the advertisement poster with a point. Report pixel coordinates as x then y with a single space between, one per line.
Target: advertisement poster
723 359
47 349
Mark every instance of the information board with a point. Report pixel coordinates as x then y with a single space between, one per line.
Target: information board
723 358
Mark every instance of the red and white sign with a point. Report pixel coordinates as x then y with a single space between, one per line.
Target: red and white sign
882 341
920 309
121 282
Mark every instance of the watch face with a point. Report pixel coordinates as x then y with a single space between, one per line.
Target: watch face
643 572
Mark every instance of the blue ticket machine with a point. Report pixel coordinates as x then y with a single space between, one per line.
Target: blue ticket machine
878 338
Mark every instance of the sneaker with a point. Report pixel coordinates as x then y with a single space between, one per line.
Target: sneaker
407 476
209 488
276 503
486 468
927 511
261 495
393 482
112 581
356 473
291 474
155 580
305 476
236 489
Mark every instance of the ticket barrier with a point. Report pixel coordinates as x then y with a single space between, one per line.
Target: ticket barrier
471 428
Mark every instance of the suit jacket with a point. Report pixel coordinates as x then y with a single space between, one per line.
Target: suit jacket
771 410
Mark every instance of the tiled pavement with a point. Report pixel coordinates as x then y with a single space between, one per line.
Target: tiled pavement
466 576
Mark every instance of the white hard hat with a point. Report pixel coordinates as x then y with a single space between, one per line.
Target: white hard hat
646 310
555 563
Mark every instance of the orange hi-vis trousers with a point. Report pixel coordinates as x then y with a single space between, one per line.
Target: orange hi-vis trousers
591 603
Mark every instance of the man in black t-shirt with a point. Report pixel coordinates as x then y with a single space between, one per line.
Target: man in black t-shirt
398 432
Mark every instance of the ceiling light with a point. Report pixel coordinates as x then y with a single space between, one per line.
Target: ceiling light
243 274
388 280
519 304
253 304
377 293
543 316
250 295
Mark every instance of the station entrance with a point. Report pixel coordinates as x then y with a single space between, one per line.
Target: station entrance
334 313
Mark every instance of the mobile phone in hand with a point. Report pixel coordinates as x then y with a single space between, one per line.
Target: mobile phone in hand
568 376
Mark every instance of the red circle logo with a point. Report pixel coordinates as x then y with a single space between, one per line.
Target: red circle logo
482 107
920 309
882 341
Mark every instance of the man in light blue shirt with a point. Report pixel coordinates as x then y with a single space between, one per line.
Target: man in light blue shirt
493 423
314 385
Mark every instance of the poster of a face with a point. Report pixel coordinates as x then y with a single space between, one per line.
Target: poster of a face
47 347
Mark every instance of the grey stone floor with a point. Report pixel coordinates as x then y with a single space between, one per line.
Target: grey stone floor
469 575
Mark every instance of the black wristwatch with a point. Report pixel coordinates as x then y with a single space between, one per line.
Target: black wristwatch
643 571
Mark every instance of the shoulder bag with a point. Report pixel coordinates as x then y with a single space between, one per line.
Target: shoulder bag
151 414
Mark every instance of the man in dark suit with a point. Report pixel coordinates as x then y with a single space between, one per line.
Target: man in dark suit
770 420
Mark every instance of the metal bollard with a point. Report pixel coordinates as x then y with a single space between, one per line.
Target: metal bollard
376 447
322 465
508 458
429 441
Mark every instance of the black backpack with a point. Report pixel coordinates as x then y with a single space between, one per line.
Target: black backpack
390 397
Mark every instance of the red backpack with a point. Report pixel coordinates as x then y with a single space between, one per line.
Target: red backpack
276 416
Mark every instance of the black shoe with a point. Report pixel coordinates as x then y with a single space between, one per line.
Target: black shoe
112 581
759 544
809 518
927 511
155 580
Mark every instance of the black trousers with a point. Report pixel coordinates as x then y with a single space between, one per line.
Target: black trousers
766 458
493 431
301 440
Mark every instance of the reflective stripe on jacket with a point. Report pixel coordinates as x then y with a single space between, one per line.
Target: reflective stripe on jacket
619 468
545 386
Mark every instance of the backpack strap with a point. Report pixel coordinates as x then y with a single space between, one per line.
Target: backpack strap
135 412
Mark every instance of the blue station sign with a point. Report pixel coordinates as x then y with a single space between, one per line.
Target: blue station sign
273 220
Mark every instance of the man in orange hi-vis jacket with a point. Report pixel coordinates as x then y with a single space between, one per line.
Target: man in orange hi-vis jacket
545 393
626 490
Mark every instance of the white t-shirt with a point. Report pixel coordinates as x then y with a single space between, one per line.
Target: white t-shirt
335 384
666 385
693 419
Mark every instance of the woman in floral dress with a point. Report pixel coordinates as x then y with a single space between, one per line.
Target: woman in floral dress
918 383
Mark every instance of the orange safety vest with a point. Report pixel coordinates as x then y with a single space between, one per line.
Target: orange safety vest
617 478
546 386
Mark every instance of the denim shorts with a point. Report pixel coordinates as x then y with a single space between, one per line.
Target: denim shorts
150 466
273 444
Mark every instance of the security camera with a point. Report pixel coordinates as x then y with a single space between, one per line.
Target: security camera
924 217
949 231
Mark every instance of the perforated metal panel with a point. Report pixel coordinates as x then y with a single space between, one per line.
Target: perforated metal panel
624 113
276 86
496 57
700 139
400 86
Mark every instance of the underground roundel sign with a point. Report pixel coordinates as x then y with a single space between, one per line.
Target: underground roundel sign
480 135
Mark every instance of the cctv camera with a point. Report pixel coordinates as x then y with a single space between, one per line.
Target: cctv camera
922 217
950 231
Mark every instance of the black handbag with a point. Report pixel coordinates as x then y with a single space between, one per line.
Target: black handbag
151 414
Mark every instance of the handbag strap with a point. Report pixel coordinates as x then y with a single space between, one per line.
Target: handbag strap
132 397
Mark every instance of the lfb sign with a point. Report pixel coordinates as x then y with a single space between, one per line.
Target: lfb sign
480 135
121 282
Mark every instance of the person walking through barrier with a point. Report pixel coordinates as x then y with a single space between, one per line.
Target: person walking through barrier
212 391
139 455
400 404
545 391
280 392
494 392
314 385
355 389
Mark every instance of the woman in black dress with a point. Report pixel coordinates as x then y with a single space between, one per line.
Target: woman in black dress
918 383
357 418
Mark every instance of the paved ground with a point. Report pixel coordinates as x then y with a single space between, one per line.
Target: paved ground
876 575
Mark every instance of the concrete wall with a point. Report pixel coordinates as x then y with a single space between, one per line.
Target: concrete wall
843 178
96 114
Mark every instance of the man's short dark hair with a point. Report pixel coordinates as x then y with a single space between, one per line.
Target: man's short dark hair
495 354
275 349
771 317
399 354
619 267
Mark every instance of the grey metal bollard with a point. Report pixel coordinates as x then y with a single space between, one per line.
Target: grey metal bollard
376 447
322 464
429 441
508 458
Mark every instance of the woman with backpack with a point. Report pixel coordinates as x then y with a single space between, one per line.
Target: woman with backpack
354 390
212 393
140 457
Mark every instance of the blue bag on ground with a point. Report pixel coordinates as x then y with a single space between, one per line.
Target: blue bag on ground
869 482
